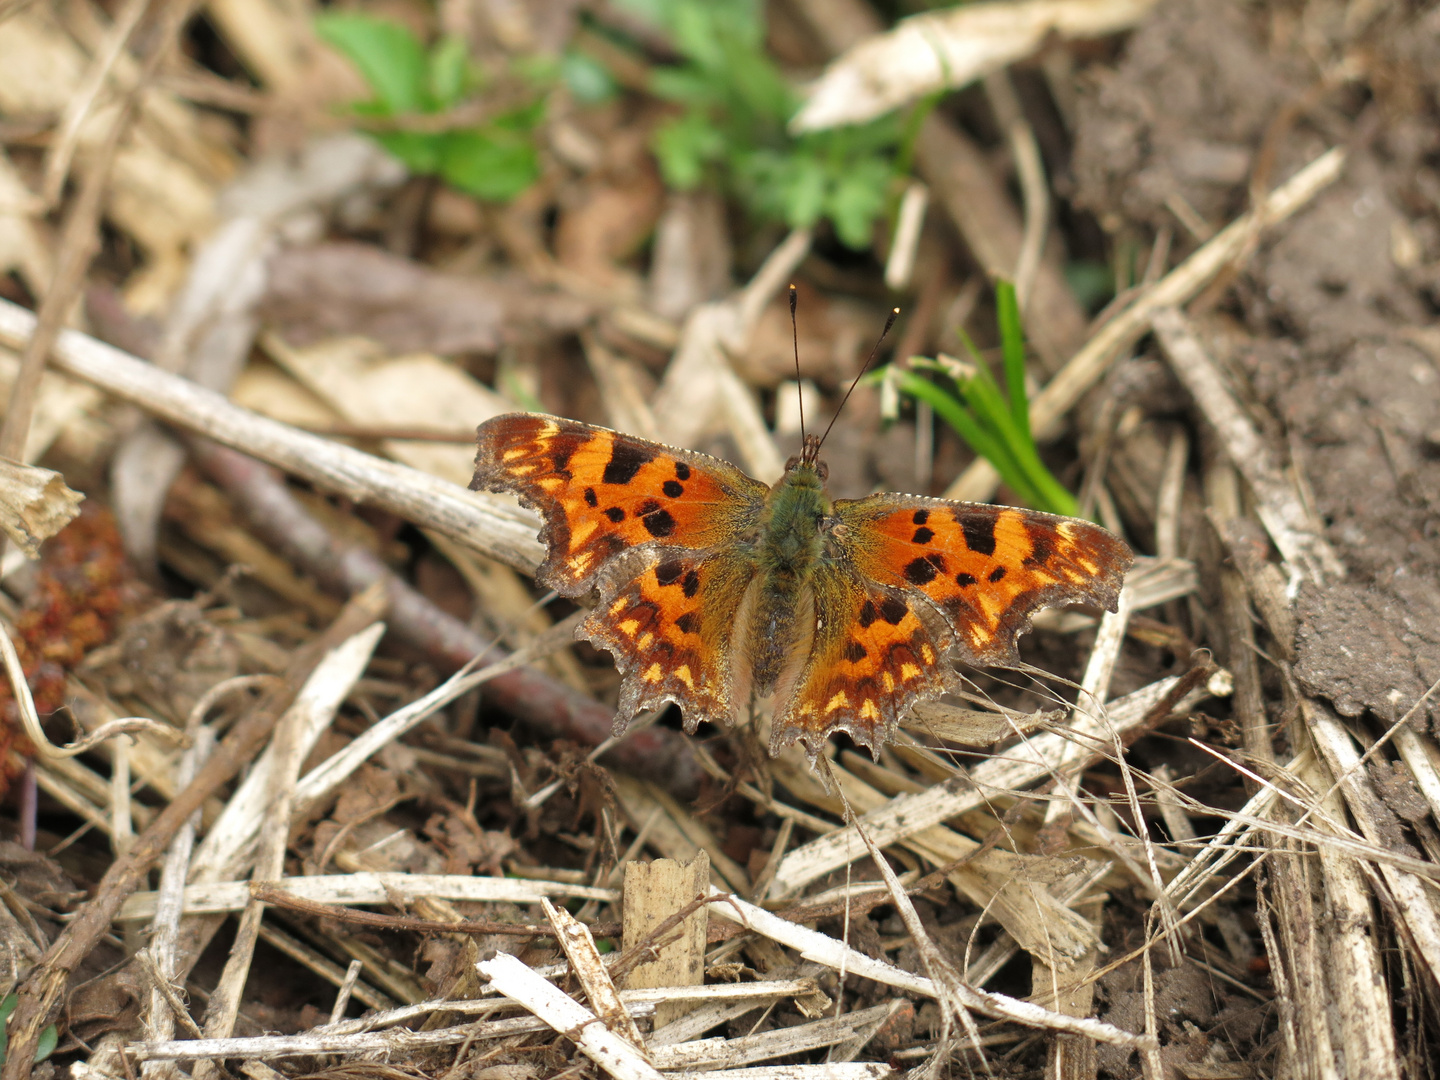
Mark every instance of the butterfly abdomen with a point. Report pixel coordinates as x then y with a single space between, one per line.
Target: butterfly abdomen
787 547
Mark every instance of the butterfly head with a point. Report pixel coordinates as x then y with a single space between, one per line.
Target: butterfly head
809 459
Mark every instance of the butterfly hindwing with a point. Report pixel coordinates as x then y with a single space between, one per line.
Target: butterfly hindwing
601 493
988 568
668 616
875 652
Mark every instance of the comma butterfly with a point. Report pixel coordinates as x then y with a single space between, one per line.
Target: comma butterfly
717 591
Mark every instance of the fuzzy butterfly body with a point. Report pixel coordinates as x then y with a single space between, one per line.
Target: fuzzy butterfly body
719 592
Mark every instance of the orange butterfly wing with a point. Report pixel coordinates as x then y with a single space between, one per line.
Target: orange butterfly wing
600 492
988 568
875 652
982 571
654 529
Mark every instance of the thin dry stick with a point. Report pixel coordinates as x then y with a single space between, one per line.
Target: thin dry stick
979 481
79 244
40 994
170 901
289 755
949 982
161 987
1277 504
342 995
900 264
1169 499
264 893
1222 490
822 948
30 719
1030 167
78 108
485 525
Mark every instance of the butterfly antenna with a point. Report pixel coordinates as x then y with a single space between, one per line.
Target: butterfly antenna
889 322
795 339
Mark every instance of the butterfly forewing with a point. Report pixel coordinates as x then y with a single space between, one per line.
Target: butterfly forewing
602 493
988 568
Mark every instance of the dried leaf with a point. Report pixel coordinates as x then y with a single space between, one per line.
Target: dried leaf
949 49
35 504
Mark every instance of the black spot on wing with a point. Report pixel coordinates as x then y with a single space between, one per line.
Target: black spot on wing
868 614
964 580
691 584
923 535
1040 550
626 459
997 574
658 523
590 497
615 514
560 457
893 610
920 572
673 488
689 622
855 652
921 517
979 532
682 471
667 573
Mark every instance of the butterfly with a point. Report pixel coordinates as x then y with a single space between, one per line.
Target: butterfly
719 592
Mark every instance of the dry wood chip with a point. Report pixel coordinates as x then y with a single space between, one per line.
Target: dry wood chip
653 892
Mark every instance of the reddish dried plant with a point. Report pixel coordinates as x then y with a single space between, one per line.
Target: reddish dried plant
83 587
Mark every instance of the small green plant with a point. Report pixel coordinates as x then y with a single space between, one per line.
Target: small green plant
731 129
494 159
48 1038
994 422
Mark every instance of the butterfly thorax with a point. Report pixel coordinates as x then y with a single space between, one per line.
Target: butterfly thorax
788 545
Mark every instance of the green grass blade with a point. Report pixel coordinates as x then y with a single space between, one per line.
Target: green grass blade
987 403
976 434
1012 343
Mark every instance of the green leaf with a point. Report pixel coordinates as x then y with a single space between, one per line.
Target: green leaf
857 200
588 80
955 413
494 163
388 55
44 1046
419 152
449 73
736 103
685 86
804 192
684 147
